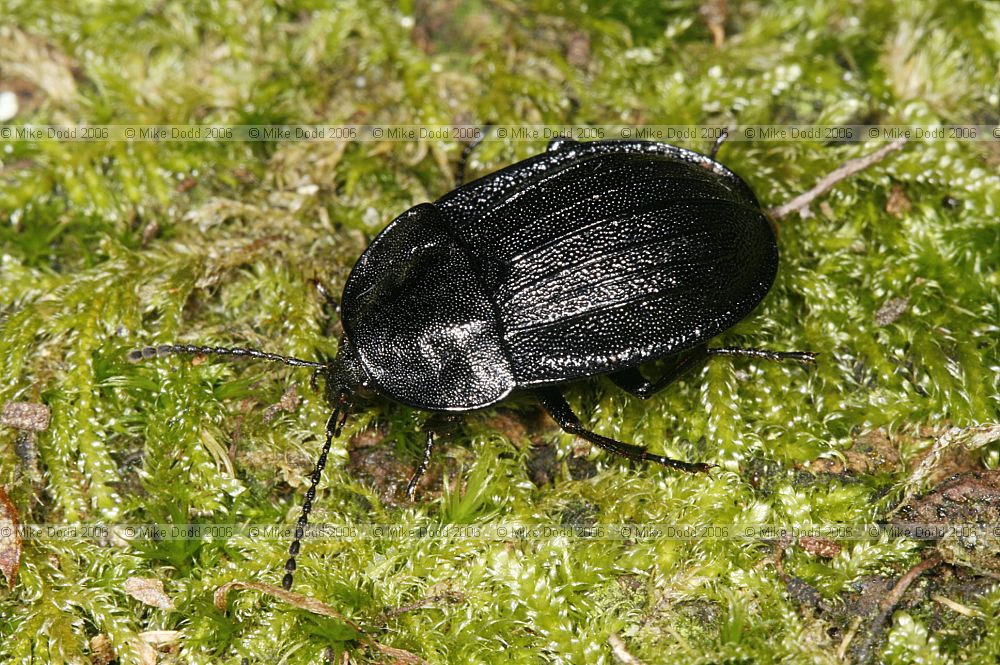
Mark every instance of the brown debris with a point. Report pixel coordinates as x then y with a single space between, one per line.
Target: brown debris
821 547
873 452
289 402
801 202
27 416
959 514
888 606
380 467
949 454
186 184
10 539
102 651
715 13
898 204
150 231
891 310
148 590
578 49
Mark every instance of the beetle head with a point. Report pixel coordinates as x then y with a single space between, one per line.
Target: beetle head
345 375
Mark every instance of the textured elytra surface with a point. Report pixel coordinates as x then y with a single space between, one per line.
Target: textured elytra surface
587 259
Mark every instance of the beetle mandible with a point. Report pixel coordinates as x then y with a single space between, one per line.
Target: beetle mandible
590 258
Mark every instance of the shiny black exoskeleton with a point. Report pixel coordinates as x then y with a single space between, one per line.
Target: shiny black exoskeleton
591 258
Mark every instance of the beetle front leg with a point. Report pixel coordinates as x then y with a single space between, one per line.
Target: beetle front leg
425 460
557 407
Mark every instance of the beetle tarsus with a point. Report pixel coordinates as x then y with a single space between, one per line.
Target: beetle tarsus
804 357
425 460
557 407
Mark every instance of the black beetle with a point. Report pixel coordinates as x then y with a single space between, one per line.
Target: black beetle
591 258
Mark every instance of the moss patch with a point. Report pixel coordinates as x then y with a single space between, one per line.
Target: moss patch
109 245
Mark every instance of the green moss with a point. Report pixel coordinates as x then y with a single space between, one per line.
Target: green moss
109 245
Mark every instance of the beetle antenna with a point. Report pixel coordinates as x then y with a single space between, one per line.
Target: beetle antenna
147 352
334 425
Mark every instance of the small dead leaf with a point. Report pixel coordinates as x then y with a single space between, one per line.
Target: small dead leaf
148 590
316 607
10 539
150 231
145 651
161 638
715 13
821 547
186 184
294 599
289 402
26 416
102 651
898 204
891 310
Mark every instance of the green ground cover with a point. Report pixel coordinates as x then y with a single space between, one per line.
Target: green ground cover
109 245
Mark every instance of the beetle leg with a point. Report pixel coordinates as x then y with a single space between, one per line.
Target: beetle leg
425 460
554 402
466 153
558 143
331 302
805 357
718 142
634 383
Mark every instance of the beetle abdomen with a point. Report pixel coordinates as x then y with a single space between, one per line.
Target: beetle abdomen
608 255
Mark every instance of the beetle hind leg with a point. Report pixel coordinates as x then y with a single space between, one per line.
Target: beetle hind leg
557 407
804 357
633 382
